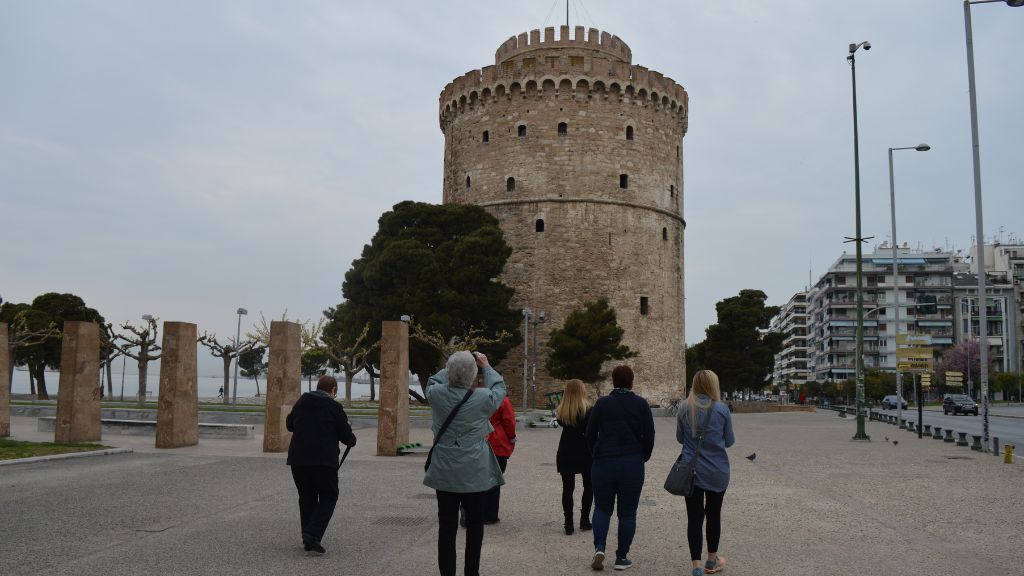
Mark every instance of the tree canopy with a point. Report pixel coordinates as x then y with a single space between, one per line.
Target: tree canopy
737 347
438 264
589 337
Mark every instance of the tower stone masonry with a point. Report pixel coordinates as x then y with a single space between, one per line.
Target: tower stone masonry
578 154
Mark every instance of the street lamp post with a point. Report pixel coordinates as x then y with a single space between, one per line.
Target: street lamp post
896 277
979 228
858 240
526 353
148 318
238 336
541 318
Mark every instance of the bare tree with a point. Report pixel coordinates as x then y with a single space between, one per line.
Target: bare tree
474 339
21 337
310 331
144 339
108 353
351 359
226 351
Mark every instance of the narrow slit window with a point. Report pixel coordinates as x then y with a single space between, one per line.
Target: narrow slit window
563 129
469 182
539 225
644 307
510 184
623 181
487 136
522 130
664 233
629 132
671 190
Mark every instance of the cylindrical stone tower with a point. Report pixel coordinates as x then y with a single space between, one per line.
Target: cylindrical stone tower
578 153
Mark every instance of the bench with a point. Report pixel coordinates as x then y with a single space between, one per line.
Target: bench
148 428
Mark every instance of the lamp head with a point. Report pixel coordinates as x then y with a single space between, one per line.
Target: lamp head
147 317
865 45
405 318
922 147
243 311
1015 3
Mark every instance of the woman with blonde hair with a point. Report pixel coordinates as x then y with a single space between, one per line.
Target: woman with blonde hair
705 421
573 456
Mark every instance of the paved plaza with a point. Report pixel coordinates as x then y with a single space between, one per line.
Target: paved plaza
813 502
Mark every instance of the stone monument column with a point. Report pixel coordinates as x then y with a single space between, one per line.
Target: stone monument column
393 417
78 397
284 383
177 412
5 391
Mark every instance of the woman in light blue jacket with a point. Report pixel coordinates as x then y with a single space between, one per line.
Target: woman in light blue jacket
703 411
463 466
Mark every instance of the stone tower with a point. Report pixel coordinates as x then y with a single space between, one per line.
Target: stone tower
578 153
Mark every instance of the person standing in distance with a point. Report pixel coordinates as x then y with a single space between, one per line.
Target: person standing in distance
317 423
621 437
573 456
703 410
503 442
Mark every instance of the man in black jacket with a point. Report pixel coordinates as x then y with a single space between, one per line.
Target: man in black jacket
318 423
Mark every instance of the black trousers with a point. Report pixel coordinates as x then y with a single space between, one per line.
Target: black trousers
318 494
492 498
701 505
568 487
448 527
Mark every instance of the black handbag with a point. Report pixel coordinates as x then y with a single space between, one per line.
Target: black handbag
444 427
681 476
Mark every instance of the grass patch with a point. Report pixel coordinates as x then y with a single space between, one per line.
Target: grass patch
14 449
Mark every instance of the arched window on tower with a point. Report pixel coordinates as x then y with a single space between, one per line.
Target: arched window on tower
629 132
664 234
487 136
468 181
623 181
510 184
563 129
671 190
522 130
539 225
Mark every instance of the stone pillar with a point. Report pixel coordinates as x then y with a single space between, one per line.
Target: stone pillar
393 417
177 411
78 396
5 391
284 383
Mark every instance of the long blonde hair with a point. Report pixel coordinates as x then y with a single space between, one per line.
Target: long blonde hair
574 404
705 382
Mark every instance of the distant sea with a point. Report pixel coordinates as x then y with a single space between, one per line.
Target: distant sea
209 386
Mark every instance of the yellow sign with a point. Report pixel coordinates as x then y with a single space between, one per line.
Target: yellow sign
954 377
926 379
902 353
915 365
914 339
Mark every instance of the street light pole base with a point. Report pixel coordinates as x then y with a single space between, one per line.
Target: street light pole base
862 437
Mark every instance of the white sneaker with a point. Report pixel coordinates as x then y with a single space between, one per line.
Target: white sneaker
598 562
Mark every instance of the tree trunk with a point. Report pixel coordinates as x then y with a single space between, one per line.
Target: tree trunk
423 378
143 362
110 379
256 377
41 379
348 387
10 369
31 380
227 378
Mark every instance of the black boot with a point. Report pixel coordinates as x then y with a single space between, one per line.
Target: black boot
568 526
585 523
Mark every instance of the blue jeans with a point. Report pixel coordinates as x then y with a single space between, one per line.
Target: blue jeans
620 477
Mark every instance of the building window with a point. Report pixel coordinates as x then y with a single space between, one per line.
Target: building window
468 182
487 136
510 184
629 132
540 225
671 190
664 233
563 129
644 308
623 181
522 130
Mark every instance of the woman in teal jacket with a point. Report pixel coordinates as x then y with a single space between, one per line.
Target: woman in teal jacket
463 466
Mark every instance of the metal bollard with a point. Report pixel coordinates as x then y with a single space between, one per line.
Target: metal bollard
910 426
937 433
903 424
949 436
995 445
963 439
928 429
977 443
1008 454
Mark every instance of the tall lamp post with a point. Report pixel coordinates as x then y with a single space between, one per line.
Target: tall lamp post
541 318
238 336
858 240
979 228
526 353
896 277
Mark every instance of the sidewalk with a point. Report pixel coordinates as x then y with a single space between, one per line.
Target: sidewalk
812 503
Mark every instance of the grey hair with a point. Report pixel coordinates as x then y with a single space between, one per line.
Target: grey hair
462 369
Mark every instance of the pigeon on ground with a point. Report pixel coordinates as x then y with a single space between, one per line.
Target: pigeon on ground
752 456
895 442
886 438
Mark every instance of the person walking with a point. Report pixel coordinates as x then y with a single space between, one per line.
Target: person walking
503 442
461 466
317 423
573 456
704 414
620 433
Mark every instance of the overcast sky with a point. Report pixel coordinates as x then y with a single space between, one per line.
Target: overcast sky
186 158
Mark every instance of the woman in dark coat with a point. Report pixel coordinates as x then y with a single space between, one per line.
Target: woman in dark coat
573 457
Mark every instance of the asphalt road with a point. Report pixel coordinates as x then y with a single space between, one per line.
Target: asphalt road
1007 429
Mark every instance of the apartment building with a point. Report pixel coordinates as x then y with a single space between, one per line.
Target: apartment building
1004 264
791 322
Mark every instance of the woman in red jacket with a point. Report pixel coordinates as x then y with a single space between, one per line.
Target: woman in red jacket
503 441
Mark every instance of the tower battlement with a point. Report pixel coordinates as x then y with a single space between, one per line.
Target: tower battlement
594 40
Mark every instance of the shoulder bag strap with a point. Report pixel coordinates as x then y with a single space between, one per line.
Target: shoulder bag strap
451 415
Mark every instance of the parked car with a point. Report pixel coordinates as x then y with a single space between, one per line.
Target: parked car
889 402
959 404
